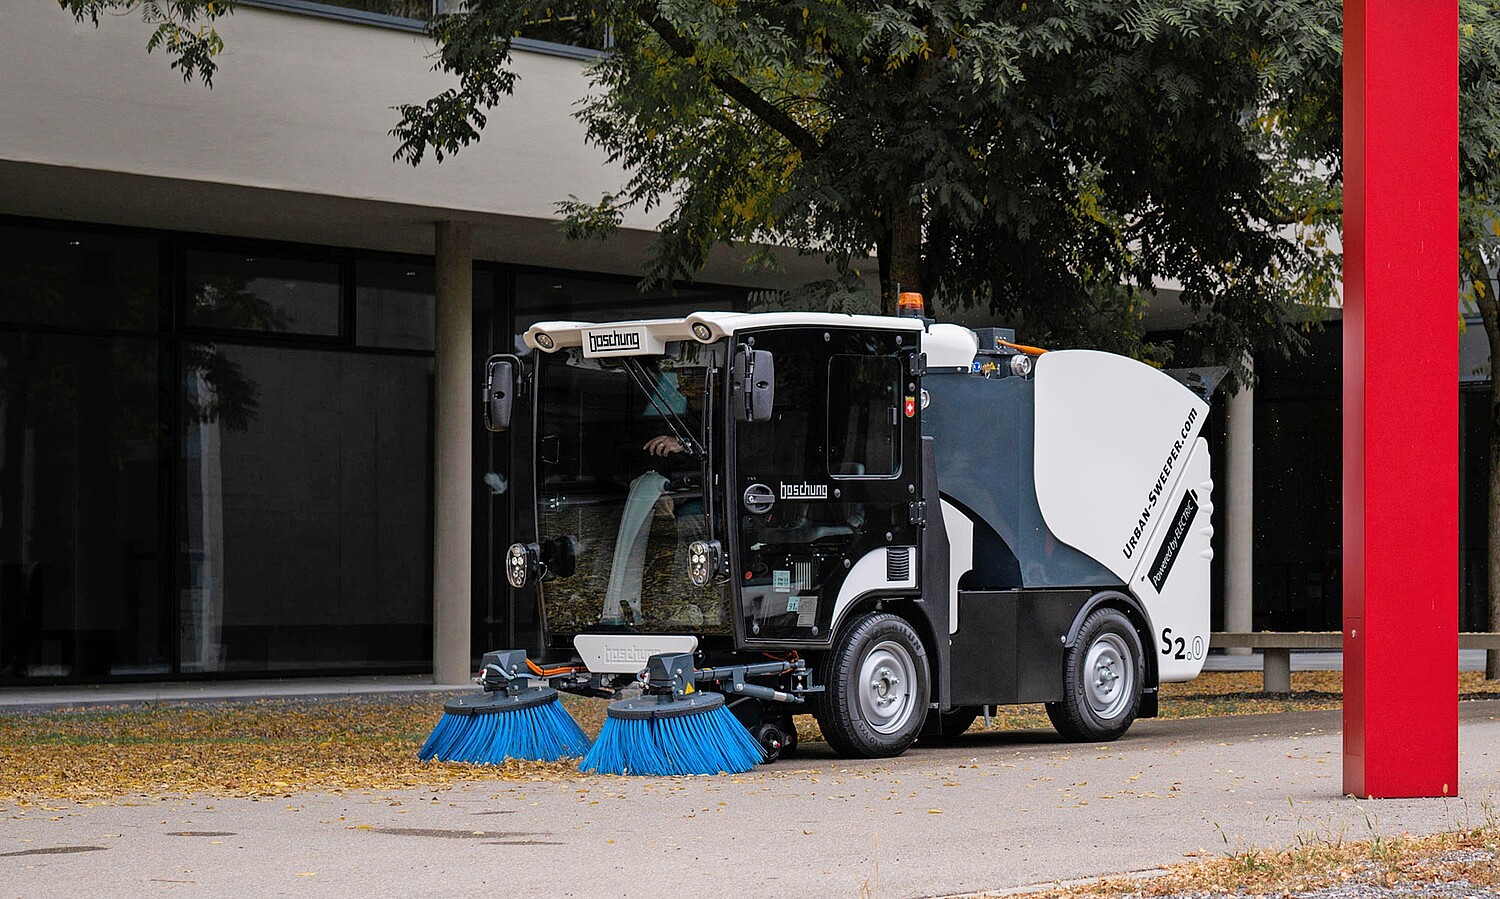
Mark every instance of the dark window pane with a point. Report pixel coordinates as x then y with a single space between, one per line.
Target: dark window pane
394 305
79 567
864 416
77 279
306 490
263 293
404 9
547 297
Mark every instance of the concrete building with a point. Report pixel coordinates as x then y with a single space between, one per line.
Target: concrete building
239 345
240 342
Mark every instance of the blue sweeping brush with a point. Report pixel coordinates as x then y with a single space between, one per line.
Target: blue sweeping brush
510 720
488 729
668 734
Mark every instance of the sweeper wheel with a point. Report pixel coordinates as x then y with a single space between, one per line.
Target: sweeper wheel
1104 672
877 687
775 742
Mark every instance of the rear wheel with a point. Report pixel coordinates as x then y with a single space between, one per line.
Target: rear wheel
876 687
1104 672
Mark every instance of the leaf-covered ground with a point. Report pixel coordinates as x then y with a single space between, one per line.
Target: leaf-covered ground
275 747
1462 864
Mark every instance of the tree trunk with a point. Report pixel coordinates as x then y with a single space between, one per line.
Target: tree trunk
1489 313
900 255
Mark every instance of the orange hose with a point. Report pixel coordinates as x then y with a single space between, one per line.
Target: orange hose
553 672
1028 350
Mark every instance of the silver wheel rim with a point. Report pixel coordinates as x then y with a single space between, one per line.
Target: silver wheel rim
887 686
1110 676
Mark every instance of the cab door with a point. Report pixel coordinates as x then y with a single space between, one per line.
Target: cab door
828 479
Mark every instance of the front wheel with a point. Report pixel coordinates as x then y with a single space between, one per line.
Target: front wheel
1104 672
876 688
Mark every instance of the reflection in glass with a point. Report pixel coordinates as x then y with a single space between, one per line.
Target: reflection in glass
263 293
78 279
79 570
304 509
394 305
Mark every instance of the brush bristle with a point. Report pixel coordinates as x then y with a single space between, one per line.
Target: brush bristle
543 732
701 742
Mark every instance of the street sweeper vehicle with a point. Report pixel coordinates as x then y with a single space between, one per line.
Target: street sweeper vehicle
727 520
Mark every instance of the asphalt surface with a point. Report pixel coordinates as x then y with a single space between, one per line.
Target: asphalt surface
990 812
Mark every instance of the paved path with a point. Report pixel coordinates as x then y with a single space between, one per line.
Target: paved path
25 698
991 812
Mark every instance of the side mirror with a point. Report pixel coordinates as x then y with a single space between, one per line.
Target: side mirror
754 385
500 390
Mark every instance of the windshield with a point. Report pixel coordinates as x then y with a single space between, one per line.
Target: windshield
623 450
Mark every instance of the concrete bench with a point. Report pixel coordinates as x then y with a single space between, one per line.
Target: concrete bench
1276 649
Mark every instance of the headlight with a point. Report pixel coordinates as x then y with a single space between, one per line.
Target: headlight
703 561
520 560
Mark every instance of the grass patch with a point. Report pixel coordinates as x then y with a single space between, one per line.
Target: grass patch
275 747
1465 860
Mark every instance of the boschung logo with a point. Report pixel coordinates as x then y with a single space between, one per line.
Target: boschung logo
804 491
614 341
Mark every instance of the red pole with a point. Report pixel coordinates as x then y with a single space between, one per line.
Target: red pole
1400 397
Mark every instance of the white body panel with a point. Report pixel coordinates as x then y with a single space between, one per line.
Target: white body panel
627 653
1112 439
866 575
1178 558
949 346
960 556
715 325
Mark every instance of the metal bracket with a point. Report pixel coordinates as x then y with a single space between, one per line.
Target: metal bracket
917 512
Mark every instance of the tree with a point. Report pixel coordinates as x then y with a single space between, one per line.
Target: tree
1053 161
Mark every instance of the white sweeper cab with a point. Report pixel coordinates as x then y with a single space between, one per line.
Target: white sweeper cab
888 523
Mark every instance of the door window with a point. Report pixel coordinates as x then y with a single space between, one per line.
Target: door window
864 416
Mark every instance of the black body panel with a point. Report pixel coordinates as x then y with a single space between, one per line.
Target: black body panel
1010 644
789 561
934 582
984 432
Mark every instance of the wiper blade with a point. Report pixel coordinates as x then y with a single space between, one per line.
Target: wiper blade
680 430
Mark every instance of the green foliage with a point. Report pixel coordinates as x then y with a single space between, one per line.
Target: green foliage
1479 151
184 28
1064 158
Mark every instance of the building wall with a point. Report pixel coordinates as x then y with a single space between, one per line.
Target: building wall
292 143
300 104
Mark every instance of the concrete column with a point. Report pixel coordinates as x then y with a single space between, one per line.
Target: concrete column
1239 513
453 444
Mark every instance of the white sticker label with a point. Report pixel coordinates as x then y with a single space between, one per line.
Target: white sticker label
792 602
807 611
781 580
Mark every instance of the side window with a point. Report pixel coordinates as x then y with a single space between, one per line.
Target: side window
864 416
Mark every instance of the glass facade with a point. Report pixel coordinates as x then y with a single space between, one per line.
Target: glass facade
215 456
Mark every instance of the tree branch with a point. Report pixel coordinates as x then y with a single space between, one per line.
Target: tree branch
777 120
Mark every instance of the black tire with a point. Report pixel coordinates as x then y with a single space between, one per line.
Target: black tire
774 741
1104 672
954 723
876 688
